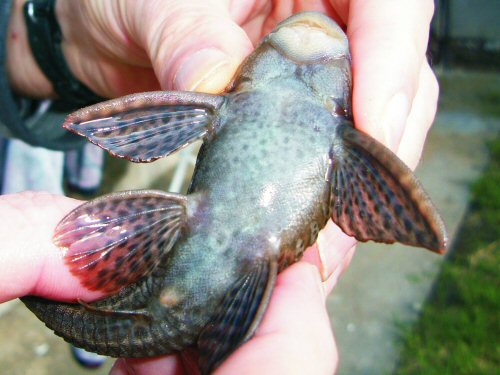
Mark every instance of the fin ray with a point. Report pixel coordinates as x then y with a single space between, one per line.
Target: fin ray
376 197
116 239
145 127
238 315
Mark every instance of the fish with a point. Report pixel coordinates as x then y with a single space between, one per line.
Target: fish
280 157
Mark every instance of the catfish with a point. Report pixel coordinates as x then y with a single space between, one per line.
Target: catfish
280 157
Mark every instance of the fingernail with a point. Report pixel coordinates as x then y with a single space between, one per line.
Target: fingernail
394 120
207 70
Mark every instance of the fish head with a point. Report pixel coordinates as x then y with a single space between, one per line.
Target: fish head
309 38
309 47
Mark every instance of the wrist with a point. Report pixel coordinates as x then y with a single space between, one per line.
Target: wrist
24 74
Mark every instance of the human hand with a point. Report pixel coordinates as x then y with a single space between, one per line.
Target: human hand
122 46
30 262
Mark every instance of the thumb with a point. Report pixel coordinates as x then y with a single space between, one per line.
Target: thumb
388 44
30 262
194 45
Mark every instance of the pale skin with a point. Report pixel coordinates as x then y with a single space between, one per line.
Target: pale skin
121 46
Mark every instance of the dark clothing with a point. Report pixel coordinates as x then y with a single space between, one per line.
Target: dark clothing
32 121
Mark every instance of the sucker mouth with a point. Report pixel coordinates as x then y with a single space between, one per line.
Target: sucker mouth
314 21
309 37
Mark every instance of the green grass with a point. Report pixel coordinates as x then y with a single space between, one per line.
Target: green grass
459 330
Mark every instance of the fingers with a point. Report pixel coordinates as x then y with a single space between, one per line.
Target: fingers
128 47
30 263
420 119
295 335
388 43
331 254
193 45
334 277
332 247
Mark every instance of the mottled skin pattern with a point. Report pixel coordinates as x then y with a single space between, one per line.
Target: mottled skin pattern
261 191
267 163
261 184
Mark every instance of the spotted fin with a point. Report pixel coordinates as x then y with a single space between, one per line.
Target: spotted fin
116 239
375 196
145 127
238 315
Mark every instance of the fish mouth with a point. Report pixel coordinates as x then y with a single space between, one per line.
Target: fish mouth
310 37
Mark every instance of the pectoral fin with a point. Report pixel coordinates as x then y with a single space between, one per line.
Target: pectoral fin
238 315
145 127
116 239
375 196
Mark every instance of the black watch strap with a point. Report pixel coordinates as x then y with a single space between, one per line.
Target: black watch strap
45 39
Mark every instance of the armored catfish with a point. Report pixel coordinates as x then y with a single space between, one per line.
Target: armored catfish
280 156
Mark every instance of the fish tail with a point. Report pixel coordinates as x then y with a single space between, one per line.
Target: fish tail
110 333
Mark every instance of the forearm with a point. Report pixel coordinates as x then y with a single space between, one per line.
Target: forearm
23 73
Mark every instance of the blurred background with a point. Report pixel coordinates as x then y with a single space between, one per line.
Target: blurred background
397 310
